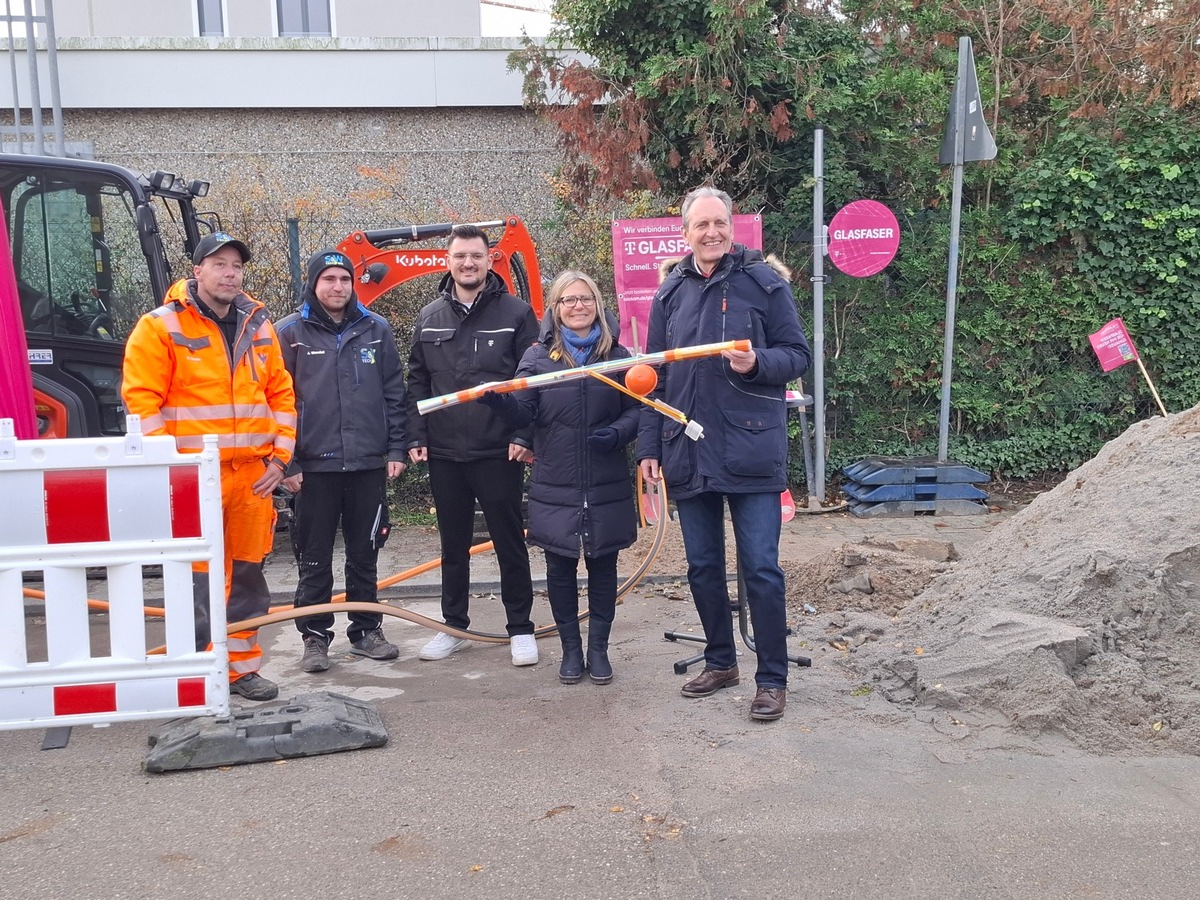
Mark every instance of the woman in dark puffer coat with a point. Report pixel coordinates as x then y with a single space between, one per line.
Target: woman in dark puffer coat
580 490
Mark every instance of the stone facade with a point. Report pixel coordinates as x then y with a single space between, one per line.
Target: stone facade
466 163
337 170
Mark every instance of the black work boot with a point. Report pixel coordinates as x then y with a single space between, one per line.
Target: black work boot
599 668
571 669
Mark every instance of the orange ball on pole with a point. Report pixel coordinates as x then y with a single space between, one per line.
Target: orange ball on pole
641 379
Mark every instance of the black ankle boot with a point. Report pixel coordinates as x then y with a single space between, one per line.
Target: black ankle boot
599 668
571 669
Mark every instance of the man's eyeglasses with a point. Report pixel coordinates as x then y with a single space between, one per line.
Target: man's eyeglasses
462 257
578 300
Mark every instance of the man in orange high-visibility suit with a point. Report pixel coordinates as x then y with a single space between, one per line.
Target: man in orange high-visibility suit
208 362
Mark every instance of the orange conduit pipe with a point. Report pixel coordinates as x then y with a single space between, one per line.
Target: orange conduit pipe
282 614
338 603
157 611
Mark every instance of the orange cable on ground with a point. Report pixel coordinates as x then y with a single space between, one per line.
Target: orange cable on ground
284 613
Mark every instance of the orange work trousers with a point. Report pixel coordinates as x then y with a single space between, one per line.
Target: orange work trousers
249 526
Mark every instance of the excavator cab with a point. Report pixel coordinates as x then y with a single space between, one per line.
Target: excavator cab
89 259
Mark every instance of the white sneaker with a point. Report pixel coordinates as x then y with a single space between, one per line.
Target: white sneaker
524 649
442 646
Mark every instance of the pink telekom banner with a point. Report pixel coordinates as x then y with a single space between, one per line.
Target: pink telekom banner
16 379
639 246
1113 345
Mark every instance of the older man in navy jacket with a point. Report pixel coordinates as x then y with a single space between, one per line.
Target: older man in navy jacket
722 291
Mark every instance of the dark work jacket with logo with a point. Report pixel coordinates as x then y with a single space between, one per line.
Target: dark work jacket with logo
452 351
349 388
744 448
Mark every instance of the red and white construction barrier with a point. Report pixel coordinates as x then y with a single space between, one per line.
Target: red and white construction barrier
117 504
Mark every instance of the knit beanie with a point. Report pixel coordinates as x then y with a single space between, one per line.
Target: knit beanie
327 259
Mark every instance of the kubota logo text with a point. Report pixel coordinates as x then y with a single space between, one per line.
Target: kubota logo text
411 260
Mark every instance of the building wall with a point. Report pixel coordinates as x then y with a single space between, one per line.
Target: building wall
247 19
345 133
407 18
123 18
167 73
340 170
254 18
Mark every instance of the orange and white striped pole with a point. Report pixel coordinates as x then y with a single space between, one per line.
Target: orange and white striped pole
445 401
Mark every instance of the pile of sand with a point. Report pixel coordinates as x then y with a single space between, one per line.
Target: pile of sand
1081 614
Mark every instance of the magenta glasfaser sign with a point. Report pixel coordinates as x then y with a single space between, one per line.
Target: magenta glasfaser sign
639 248
863 238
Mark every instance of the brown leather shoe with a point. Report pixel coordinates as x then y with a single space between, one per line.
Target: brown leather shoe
768 704
710 681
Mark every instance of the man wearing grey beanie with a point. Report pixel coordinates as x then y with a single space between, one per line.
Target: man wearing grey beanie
350 400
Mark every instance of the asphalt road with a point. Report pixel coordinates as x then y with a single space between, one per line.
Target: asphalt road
499 782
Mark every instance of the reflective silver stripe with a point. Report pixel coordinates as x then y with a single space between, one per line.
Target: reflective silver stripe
242 645
285 443
245 666
153 423
252 410
198 413
225 441
223 411
254 439
285 419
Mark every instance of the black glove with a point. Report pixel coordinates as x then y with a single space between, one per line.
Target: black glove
503 405
605 438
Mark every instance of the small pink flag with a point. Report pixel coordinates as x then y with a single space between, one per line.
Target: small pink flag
1113 345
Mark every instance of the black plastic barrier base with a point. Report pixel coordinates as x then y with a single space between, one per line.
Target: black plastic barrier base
306 725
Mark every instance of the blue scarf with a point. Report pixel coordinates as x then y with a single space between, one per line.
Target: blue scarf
580 348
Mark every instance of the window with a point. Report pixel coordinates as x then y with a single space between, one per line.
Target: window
80 267
212 23
82 278
303 18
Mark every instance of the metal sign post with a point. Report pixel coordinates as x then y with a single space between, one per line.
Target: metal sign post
818 346
966 139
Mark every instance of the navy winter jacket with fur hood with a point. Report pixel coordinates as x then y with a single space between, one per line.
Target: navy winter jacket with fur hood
744 448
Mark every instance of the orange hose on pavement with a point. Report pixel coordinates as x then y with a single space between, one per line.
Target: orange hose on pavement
338 603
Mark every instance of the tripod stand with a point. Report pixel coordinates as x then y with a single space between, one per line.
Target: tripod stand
742 611
799 402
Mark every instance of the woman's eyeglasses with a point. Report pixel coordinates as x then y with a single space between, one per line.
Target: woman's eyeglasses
578 300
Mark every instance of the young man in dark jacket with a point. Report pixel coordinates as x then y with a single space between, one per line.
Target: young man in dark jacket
474 333
350 398
722 291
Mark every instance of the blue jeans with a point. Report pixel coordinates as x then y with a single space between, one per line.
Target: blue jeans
756 528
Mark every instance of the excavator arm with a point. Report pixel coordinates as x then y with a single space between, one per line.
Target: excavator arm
386 258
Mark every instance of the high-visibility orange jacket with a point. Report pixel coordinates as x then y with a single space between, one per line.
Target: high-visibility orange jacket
180 378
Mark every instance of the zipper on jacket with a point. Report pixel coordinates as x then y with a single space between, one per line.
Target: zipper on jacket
587 465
